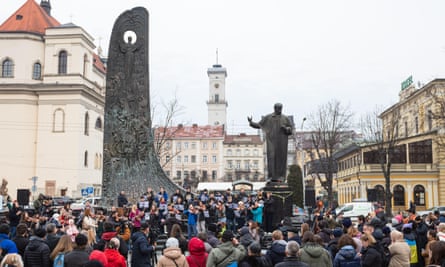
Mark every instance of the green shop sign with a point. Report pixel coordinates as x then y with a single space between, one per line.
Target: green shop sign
406 83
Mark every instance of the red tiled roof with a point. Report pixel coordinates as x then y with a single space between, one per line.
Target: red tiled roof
99 64
243 139
194 131
29 18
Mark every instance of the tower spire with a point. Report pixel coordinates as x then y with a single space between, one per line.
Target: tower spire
46 5
216 56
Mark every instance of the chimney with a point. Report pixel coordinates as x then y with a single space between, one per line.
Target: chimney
180 125
46 5
195 125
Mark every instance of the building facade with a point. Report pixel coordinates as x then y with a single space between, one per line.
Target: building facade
244 158
52 88
415 126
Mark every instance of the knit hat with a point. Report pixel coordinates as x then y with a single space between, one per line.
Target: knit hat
99 256
337 232
227 236
172 242
346 222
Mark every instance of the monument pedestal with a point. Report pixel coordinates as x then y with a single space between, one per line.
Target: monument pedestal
282 196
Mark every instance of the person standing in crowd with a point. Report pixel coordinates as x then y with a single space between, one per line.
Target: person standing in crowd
78 256
109 233
51 237
292 259
228 252
257 212
21 239
277 250
313 253
172 255
254 257
426 253
114 258
438 254
135 217
122 200
14 217
63 246
192 218
197 253
399 250
371 256
6 245
37 251
13 260
410 239
268 212
347 255
142 250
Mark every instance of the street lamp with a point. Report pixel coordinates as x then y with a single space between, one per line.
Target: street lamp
302 161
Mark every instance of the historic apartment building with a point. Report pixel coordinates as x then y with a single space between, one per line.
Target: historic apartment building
416 124
52 88
244 158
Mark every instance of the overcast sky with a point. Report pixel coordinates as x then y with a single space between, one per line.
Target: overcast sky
299 53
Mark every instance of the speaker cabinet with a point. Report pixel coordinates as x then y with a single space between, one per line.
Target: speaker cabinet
23 197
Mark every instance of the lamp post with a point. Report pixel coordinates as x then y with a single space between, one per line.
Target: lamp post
302 161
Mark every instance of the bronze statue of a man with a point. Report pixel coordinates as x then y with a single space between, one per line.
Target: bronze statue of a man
277 128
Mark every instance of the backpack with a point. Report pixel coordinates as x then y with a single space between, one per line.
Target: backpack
59 260
232 264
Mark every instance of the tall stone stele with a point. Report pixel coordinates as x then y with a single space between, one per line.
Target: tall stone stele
130 163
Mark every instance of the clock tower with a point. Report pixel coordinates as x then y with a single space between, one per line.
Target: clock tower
217 104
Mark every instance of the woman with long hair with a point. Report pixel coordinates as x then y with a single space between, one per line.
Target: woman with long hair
89 223
371 256
176 232
12 259
347 254
63 246
438 253
135 216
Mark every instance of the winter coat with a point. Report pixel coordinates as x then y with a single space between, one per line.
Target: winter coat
76 258
255 261
410 239
52 240
172 257
371 257
276 252
217 254
315 255
325 235
400 254
347 257
37 253
21 242
292 262
115 259
333 247
7 245
141 251
106 237
197 253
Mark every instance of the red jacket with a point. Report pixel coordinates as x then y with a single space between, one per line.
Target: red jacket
198 255
115 259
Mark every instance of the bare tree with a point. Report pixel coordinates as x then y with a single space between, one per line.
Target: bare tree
437 115
165 130
331 128
383 137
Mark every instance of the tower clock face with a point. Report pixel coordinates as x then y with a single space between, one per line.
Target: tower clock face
216 85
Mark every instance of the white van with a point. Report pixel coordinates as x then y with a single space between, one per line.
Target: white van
354 209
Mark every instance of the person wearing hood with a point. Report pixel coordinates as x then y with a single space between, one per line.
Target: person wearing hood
314 254
254 257
292 259
347 254
108 234
172 255
400 251
410 239
114 258
246 237
333 244
142 251
212 230
197 253
37 251
277 250
228 252
371 255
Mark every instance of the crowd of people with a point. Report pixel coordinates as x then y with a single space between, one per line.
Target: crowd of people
215 230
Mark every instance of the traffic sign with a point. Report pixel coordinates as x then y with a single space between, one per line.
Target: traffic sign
90 190
84 192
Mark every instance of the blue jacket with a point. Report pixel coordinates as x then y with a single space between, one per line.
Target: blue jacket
7 245
142 251
347 256
258 214
191 217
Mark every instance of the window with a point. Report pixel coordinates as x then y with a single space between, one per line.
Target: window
214 145
229 177
193 159
63 61
421 152
86 126
204 175
37 71
178 146
59 121
255 177
85 159
193 175
186 174
204 145
216 98
7 68
255 152
178 174
255 164
186 145
85 64
193 145
213 175
246 165
204 158
246 152
229 152
238 164
399 195
372 157
230 164
419 195
98 124
238 152
167 158
398 155
213 159
186 159
96 161
167 145
178 159
380 194
406 129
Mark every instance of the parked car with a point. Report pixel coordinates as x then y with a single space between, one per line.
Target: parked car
354 209
80 204
441 210
61 201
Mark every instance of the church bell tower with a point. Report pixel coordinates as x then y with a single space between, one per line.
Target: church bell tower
217 104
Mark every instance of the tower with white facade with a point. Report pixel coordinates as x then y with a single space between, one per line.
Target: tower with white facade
217 104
